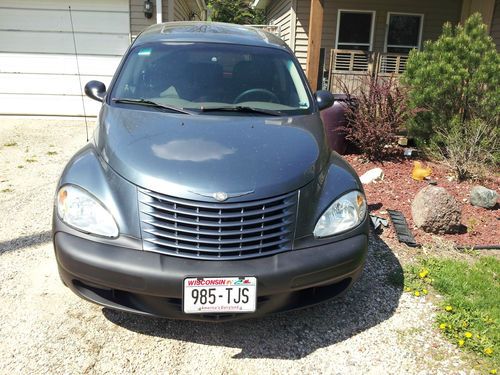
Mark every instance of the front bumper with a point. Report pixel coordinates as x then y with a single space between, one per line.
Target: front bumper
150 283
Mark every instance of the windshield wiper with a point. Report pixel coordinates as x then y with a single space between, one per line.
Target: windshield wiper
240 108
151 103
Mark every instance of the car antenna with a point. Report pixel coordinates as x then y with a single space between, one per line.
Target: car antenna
78 72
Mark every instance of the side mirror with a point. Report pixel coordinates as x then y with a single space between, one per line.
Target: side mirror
95 90
324 99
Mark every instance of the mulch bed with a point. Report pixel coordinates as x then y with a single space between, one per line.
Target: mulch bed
397 190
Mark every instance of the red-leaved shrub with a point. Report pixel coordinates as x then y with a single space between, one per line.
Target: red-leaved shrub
381 110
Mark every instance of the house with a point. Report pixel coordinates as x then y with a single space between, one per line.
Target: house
39 72
348 38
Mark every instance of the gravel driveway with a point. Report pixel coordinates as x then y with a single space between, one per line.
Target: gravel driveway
44 328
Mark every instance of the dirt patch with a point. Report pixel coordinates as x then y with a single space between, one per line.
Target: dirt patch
397 190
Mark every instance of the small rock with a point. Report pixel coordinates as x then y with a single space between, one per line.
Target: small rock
436 211
483 197
373 175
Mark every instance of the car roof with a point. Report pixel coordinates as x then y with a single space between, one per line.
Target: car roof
209 32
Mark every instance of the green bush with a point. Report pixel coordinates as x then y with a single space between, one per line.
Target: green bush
456 80
235 11
456 75
467 148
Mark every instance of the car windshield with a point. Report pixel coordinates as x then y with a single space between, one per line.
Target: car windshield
211 77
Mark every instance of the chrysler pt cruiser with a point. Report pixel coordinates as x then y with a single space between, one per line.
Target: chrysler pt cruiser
208 191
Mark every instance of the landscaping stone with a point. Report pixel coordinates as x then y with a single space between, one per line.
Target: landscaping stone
435 210
373 175
483 197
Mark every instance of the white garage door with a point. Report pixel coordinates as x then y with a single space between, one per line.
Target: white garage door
38 67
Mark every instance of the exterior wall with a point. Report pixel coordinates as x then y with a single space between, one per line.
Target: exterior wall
279 13
485 7
495 25
182 11
436 13
137 20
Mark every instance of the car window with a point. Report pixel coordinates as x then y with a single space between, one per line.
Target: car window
196 75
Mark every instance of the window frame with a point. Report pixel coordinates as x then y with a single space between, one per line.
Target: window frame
372 27
420 30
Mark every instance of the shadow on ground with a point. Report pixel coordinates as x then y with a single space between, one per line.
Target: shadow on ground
293 335
25 241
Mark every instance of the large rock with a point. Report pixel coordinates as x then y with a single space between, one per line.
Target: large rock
436 211
483 197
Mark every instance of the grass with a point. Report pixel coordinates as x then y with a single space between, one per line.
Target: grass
51 153
31 160
10 144
470 308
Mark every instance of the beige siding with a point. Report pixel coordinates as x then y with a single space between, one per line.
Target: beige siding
436 13
495 25
302 29
280 13
138 21
182 11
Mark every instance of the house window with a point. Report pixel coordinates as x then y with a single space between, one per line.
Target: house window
355 30
404 32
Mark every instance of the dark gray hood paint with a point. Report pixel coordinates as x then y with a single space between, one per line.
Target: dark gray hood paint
182 155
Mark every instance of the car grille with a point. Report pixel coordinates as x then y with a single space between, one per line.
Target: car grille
215 231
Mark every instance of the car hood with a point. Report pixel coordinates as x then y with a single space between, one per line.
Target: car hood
194 156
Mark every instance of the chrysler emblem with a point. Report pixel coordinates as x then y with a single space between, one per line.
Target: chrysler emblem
221 196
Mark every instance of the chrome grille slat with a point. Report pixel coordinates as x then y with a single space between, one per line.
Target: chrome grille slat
198 213
214 224
215 206
217 231
219 240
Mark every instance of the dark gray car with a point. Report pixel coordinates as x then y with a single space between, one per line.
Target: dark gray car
208 191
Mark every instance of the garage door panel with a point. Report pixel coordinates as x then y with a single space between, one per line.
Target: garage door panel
46 84
92 5
38 66
47 105
58 64
47 42
59 21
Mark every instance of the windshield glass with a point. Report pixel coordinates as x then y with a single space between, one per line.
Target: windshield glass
205 75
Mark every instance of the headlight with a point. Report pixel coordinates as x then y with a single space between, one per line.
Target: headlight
82 211
345 213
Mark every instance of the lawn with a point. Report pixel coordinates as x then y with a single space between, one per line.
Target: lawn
470 304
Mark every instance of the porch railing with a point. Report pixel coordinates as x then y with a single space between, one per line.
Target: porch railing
348 68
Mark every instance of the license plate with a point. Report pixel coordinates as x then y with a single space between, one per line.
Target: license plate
219 295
